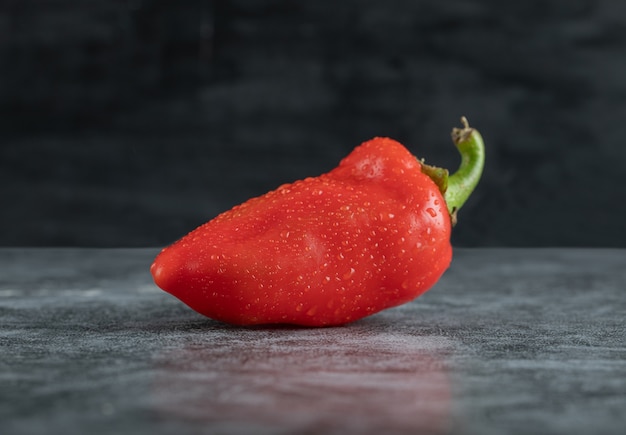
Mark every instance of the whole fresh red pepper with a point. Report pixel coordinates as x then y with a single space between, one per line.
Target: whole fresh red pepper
371 234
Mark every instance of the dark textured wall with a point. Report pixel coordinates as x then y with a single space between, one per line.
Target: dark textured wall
132 122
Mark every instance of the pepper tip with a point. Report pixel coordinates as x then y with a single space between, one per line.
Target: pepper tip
462 134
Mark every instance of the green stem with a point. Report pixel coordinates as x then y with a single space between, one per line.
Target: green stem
461 184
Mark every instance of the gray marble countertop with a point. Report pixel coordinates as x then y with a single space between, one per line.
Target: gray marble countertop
510 341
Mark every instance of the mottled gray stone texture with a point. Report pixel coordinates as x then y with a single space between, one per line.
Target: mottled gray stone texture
128 123
510 341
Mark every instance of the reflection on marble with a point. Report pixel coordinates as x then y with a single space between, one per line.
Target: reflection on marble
288 380
510 341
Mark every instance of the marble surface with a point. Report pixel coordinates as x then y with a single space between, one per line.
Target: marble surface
510 341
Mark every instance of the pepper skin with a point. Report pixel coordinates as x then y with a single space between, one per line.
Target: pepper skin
371 234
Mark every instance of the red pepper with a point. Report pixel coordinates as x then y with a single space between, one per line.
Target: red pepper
371 234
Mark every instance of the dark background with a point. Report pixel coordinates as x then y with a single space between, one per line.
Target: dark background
129 123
